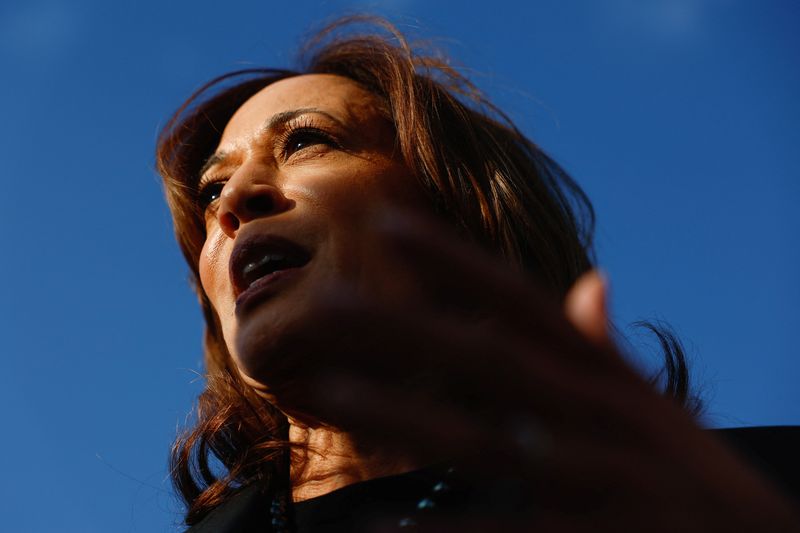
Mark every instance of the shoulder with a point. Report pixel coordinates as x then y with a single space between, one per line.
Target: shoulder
771 449
247 511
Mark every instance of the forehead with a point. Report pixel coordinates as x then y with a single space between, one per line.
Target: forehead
337 95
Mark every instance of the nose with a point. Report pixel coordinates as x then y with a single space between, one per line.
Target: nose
246 199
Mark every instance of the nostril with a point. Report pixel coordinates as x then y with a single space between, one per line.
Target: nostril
260 204
231 221
244 202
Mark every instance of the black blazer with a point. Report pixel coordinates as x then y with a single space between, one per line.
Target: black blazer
775 451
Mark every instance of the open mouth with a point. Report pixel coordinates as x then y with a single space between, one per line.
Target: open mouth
258 263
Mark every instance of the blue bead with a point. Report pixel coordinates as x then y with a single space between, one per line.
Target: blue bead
406 522
426 503
441 487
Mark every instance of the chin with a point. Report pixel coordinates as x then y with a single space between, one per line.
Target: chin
270 345
272 360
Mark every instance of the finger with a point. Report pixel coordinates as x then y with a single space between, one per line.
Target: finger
486 355
489 447
586 307
482 366
462 273
395 418
464 278
493 449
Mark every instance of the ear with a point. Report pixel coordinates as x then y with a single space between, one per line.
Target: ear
585 307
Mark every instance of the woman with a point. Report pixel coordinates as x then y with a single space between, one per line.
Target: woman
403 323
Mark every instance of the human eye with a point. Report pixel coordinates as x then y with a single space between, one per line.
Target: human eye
302 138
209 191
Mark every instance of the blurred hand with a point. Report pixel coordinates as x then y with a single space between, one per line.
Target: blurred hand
491 371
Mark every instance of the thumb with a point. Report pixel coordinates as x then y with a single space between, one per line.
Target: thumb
585 307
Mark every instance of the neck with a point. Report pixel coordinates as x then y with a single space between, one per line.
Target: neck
333 460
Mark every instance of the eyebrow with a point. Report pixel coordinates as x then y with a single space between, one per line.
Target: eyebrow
273 122
215 159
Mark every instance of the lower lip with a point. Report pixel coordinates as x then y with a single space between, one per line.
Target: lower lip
264 288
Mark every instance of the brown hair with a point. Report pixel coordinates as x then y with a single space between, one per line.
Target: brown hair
487 178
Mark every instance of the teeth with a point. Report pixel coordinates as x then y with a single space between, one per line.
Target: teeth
263 261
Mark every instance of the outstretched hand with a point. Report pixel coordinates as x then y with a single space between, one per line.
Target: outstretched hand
488 369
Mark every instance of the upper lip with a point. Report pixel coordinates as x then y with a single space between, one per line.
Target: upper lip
251 258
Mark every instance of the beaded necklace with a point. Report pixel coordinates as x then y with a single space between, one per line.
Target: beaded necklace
282 519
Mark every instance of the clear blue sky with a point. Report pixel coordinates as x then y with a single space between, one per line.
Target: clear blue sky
679 117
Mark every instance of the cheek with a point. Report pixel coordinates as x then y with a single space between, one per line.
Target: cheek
213 267
357 191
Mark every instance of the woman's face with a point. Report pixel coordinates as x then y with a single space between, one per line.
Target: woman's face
294 185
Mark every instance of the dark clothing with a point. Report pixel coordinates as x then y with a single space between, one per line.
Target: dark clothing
775 451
